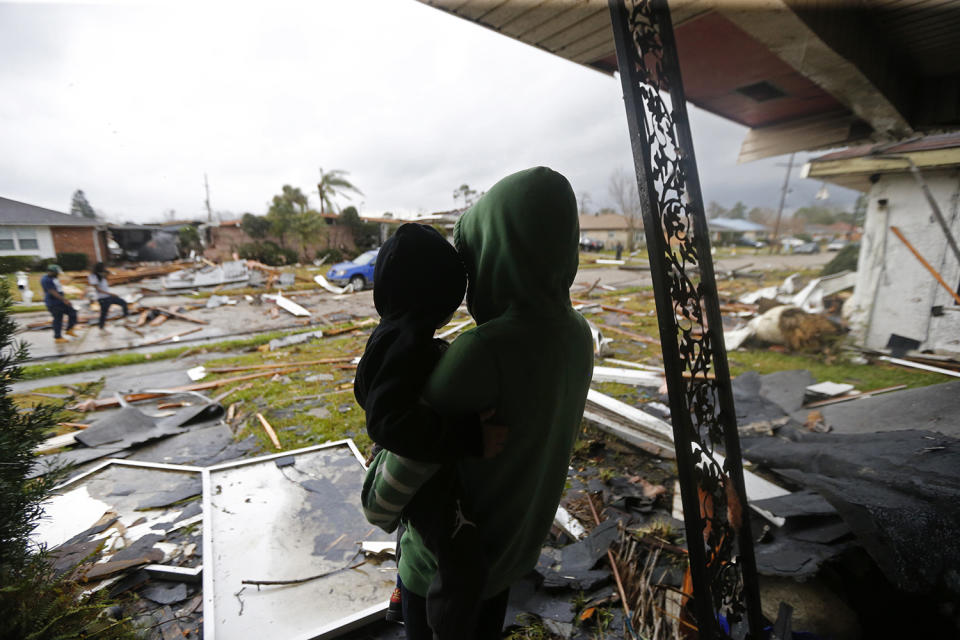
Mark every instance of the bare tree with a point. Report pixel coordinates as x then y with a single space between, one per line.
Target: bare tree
585 203
622 189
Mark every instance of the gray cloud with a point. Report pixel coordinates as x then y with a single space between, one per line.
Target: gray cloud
134 103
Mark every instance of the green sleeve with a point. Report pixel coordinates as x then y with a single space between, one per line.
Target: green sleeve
466 379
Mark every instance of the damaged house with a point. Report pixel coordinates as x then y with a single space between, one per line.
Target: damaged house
908 274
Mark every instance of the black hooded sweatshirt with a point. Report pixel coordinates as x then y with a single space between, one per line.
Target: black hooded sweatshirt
419 281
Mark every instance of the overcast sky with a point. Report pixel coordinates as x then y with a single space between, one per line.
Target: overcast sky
134 102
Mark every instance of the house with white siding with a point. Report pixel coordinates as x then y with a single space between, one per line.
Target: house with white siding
29 230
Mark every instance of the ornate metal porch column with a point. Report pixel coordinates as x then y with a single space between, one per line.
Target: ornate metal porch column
722 563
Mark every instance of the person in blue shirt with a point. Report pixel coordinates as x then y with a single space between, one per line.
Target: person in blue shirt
57 303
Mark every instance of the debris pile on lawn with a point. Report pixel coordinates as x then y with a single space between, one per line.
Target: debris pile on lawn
781 315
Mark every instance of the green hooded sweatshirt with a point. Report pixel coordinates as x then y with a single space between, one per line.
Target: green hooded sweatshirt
530 357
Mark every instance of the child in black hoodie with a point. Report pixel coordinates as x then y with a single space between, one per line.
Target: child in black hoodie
419 282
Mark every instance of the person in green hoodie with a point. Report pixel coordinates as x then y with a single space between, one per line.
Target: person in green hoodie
531 358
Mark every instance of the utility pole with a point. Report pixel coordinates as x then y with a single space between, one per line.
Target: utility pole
783 200
206 186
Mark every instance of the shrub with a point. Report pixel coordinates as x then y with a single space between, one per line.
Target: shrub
73 261
10 264
333 255
845 260
34 601
41 265
268 253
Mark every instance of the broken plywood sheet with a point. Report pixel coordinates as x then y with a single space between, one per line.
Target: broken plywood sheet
286 517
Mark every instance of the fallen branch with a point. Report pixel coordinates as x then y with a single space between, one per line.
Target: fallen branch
302 580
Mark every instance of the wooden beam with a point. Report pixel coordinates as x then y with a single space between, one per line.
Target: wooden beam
896 231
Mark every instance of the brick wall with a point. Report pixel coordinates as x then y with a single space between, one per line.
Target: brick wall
79 240
223 241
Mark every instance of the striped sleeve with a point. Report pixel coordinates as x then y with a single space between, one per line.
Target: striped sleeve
390 484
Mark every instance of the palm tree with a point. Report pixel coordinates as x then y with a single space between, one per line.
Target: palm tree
333 183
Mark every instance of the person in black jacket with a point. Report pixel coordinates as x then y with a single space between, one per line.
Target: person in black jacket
419 282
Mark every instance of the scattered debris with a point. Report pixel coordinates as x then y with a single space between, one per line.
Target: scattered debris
208 276
297 338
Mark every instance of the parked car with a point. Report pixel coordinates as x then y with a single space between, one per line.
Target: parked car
743 241
358 272
836 245
589 244
807 248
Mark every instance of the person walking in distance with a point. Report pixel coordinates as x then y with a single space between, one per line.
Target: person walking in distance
98 280
57 303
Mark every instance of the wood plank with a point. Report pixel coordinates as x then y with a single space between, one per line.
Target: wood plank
170 336
284 365
507 11
574 33
598 52
270 432
578 12
179 316
107 403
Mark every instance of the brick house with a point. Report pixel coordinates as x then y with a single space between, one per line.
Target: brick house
28 230
225 238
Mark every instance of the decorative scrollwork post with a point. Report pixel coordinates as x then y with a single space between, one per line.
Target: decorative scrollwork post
722 563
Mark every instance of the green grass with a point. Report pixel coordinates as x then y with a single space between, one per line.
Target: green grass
27 308
285 400
863 376
46 370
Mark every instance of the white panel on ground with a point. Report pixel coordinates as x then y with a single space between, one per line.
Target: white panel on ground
287 517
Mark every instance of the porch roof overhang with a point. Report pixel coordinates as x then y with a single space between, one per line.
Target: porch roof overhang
802 75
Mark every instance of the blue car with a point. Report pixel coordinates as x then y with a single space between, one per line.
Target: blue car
359 273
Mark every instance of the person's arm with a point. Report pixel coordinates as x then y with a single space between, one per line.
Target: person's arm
390 484
466 379
51 288
396 417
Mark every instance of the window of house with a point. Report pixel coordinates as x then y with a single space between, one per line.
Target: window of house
6 240
27 238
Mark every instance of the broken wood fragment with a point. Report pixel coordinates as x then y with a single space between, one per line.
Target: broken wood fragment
270 432
172 336
107 403
179 316
629 334
284 365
